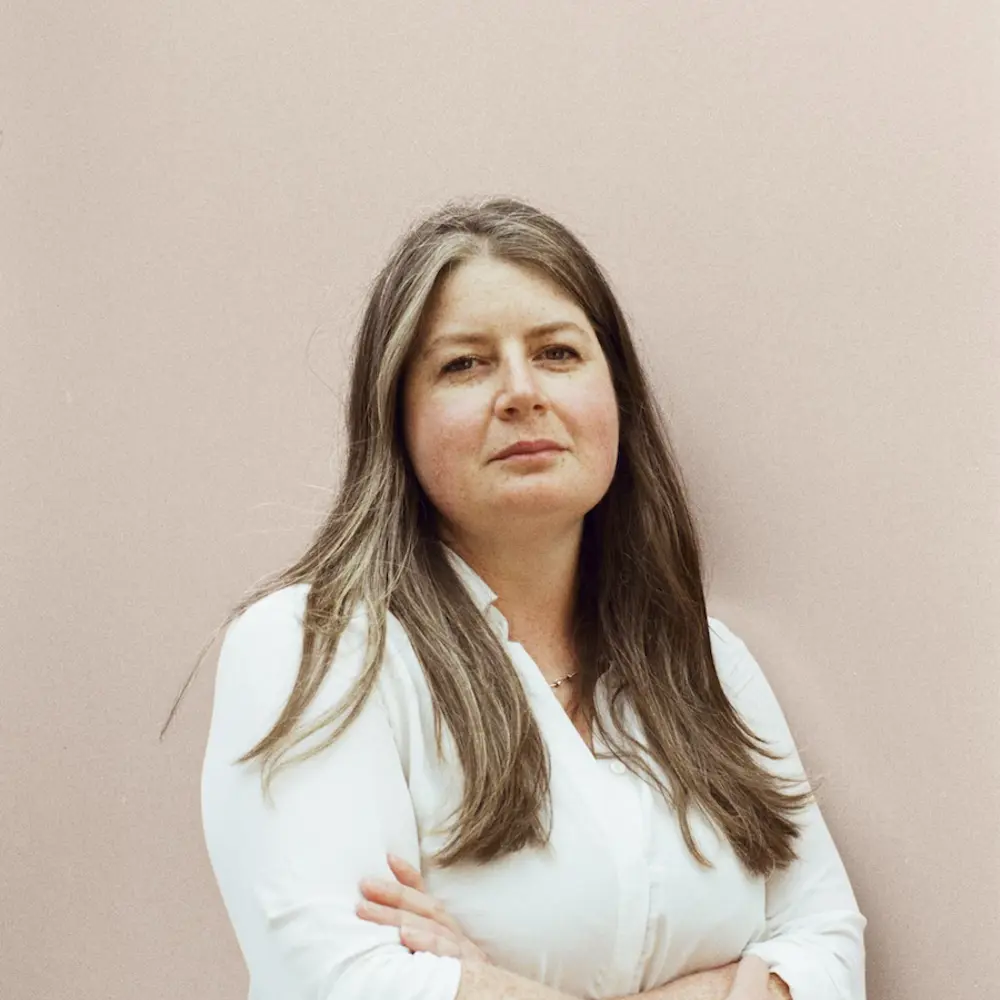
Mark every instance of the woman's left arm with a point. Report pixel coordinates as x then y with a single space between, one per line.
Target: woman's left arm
814 932
747 979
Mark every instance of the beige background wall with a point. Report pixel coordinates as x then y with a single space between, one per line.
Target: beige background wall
798 205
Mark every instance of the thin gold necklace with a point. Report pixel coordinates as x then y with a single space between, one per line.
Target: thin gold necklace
555 684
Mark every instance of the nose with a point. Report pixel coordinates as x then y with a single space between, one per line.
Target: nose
520 385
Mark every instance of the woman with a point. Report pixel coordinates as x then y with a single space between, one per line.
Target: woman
508 702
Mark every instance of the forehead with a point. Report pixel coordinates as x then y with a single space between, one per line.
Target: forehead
485 297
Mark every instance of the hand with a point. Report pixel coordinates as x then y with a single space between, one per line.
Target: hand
753 981
424 924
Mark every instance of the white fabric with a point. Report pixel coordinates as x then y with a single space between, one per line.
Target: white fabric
615 906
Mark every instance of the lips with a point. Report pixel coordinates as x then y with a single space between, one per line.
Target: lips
528 448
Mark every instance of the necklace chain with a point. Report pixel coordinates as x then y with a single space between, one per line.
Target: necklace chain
555 684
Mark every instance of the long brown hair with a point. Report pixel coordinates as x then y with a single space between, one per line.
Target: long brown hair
640 612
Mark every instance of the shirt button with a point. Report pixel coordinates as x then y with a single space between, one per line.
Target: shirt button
617 767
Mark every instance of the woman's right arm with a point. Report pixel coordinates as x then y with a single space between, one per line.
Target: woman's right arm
490 982
289 872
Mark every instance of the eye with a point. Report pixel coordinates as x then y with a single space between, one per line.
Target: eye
562 347
450 369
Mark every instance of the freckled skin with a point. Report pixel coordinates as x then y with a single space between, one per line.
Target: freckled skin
509 388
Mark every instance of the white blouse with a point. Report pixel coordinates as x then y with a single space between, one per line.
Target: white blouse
615 906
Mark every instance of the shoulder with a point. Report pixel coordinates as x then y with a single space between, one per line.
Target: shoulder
274 620
275 624
262 650
266 641
734 662
723 637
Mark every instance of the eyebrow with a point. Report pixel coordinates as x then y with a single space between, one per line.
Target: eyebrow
451 339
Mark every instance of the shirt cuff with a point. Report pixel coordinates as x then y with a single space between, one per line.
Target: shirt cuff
798 968
418 976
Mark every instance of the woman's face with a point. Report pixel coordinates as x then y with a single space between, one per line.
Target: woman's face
481 379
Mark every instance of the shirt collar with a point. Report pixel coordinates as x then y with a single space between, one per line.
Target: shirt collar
479 590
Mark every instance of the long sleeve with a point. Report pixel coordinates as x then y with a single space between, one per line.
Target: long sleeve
289 872
814 934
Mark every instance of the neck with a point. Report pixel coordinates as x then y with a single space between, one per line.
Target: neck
535 582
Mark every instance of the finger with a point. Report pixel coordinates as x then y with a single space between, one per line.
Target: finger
418 939
412 900
390 916
420 934
410 922
406 873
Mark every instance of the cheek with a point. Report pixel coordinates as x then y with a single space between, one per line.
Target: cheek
599 419
439 433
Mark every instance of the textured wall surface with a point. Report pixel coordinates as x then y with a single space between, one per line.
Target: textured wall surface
798 205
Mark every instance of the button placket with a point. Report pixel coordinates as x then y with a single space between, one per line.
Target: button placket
612 804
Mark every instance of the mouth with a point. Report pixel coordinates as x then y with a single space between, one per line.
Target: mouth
522 449
527 456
